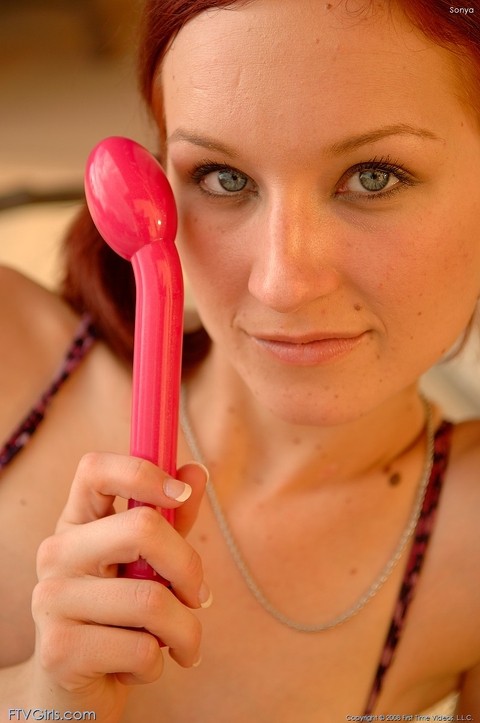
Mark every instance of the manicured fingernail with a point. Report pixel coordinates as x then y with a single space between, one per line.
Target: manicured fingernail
176 490
205 470
205 597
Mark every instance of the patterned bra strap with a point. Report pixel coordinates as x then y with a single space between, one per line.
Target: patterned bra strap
82 342
421 539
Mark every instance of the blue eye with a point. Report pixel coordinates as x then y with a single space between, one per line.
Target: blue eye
220 180
230 180
376 178
371 181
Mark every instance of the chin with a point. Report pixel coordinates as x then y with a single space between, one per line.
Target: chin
307 400
312 406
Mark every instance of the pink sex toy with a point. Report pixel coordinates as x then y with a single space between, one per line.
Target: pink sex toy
133 208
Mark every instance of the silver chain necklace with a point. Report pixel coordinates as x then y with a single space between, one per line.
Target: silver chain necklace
244 569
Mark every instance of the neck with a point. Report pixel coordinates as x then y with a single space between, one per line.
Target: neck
246 444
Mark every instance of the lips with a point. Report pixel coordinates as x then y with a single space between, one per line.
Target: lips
307 338
308 349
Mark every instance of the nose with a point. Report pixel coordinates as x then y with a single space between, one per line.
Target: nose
293 260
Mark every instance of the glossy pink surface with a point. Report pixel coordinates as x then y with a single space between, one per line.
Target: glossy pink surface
133 207
129 196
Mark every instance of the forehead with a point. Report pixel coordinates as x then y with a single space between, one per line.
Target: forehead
292 68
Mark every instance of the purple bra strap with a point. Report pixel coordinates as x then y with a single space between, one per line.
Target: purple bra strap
82 342
421 539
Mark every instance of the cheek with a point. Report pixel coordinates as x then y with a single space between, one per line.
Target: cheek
213 262
428 283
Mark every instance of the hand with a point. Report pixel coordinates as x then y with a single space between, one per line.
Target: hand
85 614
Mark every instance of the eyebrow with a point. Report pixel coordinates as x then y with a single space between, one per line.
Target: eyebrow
203 141
336 149
400 129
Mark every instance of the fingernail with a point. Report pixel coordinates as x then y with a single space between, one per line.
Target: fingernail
205 470
205 597
176 490
198 466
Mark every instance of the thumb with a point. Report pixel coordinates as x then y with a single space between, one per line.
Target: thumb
196 475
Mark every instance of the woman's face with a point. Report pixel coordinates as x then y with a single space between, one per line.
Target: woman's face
326 171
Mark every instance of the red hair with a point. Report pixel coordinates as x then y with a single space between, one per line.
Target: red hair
96 279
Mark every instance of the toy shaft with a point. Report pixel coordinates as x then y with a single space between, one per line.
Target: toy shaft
156 368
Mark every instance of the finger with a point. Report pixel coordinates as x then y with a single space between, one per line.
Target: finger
99 651
98 547
196 476
102 477
141 604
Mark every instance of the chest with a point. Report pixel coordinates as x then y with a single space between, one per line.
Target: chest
255 669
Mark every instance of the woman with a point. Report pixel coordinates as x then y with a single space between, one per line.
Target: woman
325 168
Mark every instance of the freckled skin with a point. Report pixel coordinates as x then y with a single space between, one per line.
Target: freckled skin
295 255
273 92
280 81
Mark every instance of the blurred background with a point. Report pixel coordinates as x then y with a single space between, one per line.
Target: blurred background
67 80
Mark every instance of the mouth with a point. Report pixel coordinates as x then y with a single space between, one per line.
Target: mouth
309 349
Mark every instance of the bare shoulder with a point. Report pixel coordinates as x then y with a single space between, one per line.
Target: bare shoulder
30 308
458 550
461 496
34 324
36 330
448 595
461 493
36 327
465 452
